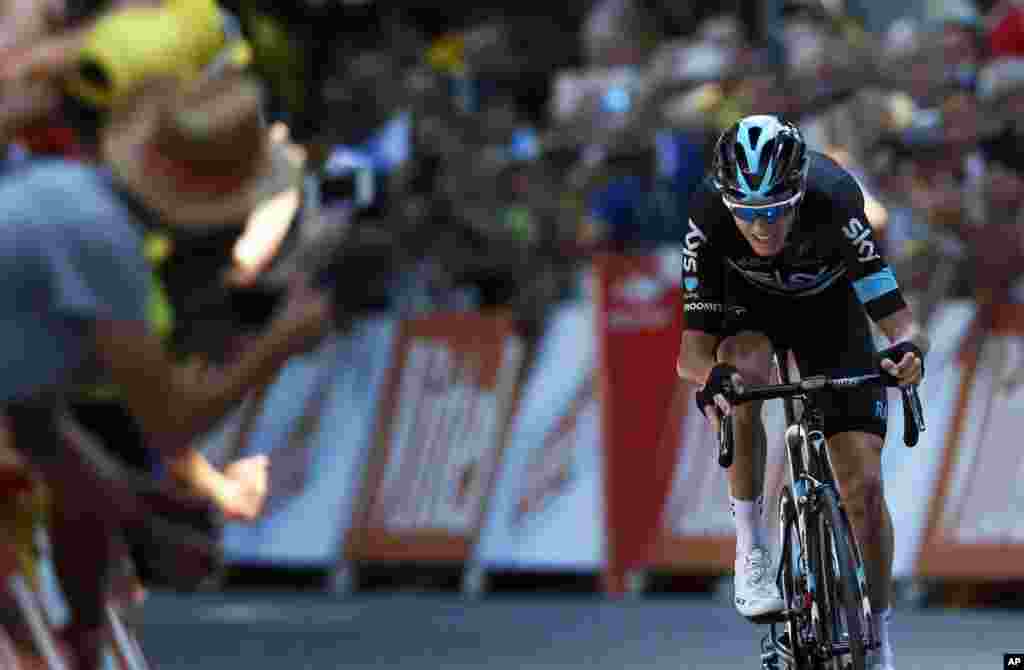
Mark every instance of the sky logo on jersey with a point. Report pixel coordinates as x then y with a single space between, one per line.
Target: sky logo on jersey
858 234
691 243
691 283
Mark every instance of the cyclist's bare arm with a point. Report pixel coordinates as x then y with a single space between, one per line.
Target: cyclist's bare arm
901 326
696 355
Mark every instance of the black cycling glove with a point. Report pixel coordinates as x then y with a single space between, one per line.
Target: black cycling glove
719 382
895 354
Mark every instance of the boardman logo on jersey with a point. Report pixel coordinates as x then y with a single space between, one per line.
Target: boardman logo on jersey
858 234
691 243
702 307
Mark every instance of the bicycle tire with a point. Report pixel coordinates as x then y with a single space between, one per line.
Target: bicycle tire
838 550
789 541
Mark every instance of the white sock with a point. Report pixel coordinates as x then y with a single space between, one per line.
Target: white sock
750 530
882 620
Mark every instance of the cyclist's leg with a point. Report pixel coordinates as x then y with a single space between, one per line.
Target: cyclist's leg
751 322
751 353
747 344
756 593
857 462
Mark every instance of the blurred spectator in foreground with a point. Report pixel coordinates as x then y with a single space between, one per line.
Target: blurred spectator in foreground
155 156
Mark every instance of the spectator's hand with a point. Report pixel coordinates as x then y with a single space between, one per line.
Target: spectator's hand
245 489
307 315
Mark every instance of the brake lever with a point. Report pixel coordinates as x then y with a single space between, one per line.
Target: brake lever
725 432
725 443
913 415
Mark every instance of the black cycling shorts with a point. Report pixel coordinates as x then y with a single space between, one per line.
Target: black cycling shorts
829 333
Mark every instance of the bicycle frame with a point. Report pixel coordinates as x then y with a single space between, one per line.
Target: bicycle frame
810 472
812 502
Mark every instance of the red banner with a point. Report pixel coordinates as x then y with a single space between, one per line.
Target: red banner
667 499
443 421
639 324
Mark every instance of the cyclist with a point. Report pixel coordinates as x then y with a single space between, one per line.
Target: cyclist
778 251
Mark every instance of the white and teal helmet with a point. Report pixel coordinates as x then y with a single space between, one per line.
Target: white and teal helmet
760 160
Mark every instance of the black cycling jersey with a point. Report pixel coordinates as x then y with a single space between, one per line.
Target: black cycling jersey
831 242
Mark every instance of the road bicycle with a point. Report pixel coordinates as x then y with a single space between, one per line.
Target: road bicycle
827 623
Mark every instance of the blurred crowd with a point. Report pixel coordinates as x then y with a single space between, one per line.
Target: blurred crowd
508 146
476 158
487 153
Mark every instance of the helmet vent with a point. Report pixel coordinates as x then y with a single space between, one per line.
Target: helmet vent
741 160
754 134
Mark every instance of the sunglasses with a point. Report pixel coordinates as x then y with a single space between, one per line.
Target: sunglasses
771 212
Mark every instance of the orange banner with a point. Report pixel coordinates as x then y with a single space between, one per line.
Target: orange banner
976 525
442 424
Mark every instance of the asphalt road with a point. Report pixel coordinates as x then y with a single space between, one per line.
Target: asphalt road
422 632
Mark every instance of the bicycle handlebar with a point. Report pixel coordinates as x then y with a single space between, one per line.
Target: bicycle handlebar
913 414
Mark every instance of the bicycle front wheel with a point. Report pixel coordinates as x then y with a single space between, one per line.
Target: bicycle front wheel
847 610
793 583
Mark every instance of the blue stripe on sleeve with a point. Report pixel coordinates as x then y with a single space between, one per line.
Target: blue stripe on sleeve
875 285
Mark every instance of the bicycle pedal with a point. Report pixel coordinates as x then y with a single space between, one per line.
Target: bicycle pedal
772 656
773 662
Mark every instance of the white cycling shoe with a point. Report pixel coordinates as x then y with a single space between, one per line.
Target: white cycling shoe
757 594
